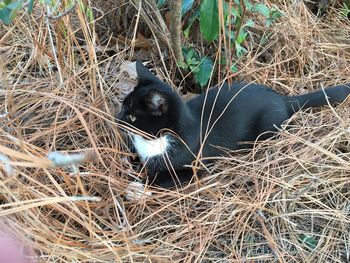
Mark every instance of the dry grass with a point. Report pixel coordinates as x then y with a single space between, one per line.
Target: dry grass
288 200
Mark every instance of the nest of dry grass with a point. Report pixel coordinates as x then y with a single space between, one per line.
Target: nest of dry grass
288 200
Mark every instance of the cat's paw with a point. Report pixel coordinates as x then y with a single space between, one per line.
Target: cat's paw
137 191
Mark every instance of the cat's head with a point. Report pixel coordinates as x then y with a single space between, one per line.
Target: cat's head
152 106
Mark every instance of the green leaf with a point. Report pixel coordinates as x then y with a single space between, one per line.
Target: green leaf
248 5
5 14
9 11
14 6
160 3
190 22
205 68
182 64
187 31
345 11
241 36
275 13
240 51
194 69
265 39
237 16
189 54
50 2
234 69
90 14
226 12
30 6
222 61
209 19
192 62
81 5
185 6
262 9
309 241
268 22
235 12
249 23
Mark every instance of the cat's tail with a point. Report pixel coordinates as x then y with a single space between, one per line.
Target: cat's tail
333 95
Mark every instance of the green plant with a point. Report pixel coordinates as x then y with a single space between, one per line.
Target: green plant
345 11
8 9
236 23
201 67
186 5
308 241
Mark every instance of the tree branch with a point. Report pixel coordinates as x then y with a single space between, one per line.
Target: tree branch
175 29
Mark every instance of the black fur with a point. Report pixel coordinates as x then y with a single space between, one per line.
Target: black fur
238 113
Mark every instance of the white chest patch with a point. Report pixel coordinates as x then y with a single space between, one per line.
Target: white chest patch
150 148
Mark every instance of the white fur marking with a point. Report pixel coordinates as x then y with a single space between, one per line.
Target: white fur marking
150 148
157 99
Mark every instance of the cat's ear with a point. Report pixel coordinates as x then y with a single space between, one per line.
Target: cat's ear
144 75
156 102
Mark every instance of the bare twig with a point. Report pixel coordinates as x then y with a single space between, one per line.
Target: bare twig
175 30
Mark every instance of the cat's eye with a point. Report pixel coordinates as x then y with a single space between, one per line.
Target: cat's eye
132 118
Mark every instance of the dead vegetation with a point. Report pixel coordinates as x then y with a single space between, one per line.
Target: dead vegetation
288 200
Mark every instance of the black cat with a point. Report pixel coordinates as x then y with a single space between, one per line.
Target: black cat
226 117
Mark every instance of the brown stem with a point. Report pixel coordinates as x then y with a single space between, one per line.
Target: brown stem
175 29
